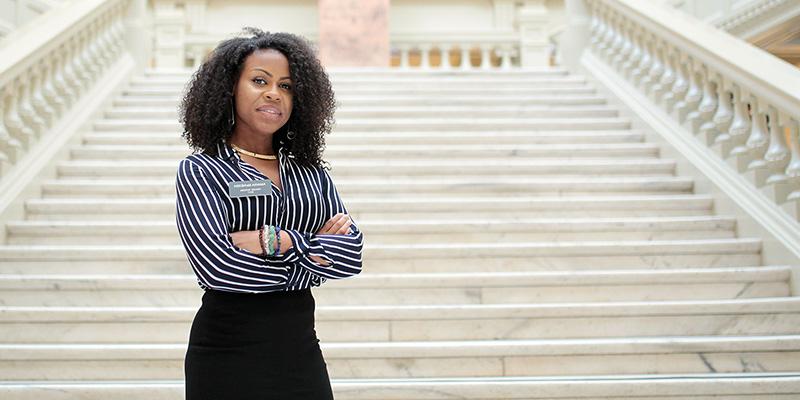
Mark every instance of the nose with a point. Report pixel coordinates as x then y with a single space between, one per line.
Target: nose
272 92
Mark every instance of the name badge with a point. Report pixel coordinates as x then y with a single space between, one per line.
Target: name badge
250 188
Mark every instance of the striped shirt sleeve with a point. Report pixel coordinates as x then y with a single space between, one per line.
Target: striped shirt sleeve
201 221
342 252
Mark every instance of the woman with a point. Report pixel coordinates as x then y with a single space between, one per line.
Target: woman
260 219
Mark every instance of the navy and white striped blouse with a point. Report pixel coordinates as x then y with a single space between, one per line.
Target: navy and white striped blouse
206 215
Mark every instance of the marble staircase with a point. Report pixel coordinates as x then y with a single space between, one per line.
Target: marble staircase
523 241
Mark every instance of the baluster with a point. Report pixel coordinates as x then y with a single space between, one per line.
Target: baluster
635 52
639 74
617 41
680 86
70 79
93 53
48 92
10 147
107 54
404 50
466 63
608 36
118 30
708 106
82 69
655 71
103 53
444 51
595 25
757 140
14 123
793 169
684 108
602 30
197 55
663 82
724 116
86 57
622 45
38 103
740 126
769 168
26 112
486 56
424 56
506 52
60 97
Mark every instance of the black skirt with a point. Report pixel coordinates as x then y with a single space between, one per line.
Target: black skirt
261 346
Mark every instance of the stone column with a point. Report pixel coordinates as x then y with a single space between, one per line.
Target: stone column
532 18
354 33
170 27
138 39
576 36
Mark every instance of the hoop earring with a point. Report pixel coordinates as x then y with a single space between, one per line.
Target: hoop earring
289 132
232 119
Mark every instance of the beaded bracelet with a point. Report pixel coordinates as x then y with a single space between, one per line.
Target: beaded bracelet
271 240
278 237
271 245
261 241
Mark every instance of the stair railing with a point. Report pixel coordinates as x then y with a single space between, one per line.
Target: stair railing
735 98
55 79
42 79
740 104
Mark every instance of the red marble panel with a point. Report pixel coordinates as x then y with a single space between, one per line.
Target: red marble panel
354 33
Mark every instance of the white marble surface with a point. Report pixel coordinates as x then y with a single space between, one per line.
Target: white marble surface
605 263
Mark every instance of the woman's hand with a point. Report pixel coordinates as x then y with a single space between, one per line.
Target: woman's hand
247 240
339 224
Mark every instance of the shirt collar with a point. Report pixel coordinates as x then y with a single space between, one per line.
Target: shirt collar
225 151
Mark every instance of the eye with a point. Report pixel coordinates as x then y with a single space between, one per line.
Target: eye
259 79
287 86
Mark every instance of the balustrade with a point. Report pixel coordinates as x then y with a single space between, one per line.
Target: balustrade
38 88
750 123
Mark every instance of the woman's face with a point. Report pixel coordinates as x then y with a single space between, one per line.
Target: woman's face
263 93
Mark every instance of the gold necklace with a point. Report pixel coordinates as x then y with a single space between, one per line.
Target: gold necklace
256 155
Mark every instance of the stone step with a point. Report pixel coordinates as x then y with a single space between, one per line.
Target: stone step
741 386
405 124
114 325
522 100
398 137
428 186
383 207
398 230
404 85
486 153
394 73
419 288
159 113
408 81
428 90
360 167
430 359
450 257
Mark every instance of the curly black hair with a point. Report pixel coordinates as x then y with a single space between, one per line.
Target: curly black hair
206 105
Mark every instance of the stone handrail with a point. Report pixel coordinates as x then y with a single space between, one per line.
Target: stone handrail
31 10
504 45
745 14
46 69
735 98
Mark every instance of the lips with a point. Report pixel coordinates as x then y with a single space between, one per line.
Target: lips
269 109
